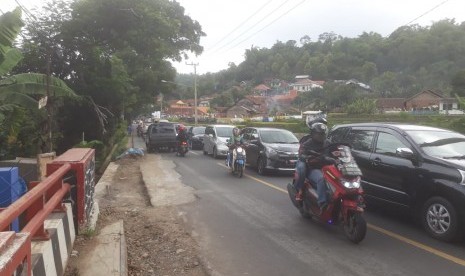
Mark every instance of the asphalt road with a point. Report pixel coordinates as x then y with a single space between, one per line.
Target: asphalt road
248 226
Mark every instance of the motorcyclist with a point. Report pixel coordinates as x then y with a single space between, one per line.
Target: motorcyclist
301 164
235 138
312 157
181 136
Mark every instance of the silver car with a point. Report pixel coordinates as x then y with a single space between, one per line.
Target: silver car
214 141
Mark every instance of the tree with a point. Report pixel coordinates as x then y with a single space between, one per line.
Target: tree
458 83
22 90
115 52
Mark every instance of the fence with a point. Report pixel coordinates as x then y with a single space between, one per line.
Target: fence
43 198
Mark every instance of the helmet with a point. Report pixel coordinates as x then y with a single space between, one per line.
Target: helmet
320 119
236 131
181 127
318 132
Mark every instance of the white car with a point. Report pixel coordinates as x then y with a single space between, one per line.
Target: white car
214 141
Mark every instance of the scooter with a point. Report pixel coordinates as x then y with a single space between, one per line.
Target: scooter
182 149
237 163
346 204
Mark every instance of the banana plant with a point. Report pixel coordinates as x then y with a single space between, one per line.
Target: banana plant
22 89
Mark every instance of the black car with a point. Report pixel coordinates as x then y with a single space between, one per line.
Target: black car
270 149
195 134
415 167
161 135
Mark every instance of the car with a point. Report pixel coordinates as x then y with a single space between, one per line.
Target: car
161 135
215 140
270 149
417 168
195 135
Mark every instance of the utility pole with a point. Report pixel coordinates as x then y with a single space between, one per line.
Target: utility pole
195 91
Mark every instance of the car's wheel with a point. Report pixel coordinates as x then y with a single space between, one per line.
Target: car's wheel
261 166
439 219
215 153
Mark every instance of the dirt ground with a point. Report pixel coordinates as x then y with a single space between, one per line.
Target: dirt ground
157 241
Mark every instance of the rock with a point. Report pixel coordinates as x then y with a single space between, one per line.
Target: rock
180 251
145 255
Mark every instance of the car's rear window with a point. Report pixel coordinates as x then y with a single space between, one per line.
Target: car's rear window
224 131
198 130
163 128
278 136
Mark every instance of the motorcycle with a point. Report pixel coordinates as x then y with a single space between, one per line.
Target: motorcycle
346 203
237 163
140 131
182 149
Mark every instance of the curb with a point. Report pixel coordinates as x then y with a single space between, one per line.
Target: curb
109 257
111 250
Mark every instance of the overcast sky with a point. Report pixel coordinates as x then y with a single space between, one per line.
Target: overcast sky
232 26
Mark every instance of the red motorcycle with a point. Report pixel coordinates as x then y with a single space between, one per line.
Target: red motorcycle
346 203
182 149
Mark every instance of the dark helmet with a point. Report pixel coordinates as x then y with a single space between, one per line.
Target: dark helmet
236 131
318 132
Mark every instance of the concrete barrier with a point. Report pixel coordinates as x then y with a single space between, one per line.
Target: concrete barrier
49 258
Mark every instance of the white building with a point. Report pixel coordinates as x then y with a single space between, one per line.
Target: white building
306 85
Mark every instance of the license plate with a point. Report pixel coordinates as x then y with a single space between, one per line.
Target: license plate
292 161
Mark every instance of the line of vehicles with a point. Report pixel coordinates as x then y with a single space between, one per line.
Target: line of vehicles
411 168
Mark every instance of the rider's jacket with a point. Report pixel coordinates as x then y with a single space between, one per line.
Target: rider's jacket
232 141
315 153
182 136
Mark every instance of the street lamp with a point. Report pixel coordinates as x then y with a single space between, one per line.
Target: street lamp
195 96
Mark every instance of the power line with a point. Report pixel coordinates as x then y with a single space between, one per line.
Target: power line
258 22
288 11
26 11
432 9
241 24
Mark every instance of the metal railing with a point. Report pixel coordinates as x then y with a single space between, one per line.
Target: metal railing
42 199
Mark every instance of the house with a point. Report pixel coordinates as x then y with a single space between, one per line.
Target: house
426 100
204 103
354 82
301 77
177 103
261 89
249 106
305 85
430 100
186 111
